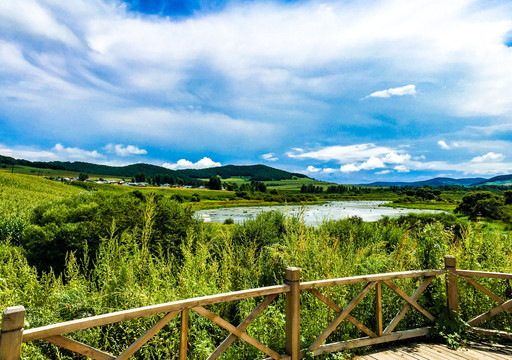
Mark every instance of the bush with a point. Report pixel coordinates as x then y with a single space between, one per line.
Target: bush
78 224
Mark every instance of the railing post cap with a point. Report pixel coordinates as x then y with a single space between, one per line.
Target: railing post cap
13 318
14 309
292 273
450 261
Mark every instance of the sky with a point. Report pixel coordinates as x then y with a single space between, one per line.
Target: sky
344 91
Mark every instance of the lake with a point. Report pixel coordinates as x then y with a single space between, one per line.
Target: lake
313 214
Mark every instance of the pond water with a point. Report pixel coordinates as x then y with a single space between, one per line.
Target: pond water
313 214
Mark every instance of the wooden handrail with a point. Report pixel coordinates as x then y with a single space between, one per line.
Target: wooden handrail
369 278
13 334
485 274
99 320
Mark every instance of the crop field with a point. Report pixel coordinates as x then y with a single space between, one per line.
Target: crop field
20 193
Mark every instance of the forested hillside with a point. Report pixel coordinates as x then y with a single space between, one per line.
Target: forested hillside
253 172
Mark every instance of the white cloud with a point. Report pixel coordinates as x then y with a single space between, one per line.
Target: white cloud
372 163
128 150
443 145
194 130
350 153
329 170
401 168
348 168
204 163
490 156
394 158
399 91
383 172
57 153
313 169
269 157
74 153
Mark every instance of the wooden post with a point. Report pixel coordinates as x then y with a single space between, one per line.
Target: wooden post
293 313
378 307
12 333
184 334
451 283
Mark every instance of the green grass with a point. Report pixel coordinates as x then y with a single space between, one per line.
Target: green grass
51 173
20 193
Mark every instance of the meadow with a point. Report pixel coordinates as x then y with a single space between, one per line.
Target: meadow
80 253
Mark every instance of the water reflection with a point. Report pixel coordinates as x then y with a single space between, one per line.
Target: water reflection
313 214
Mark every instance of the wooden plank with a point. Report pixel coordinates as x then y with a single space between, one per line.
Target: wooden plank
369 278
99 320
13 319
388 355
292 342
79 348
133 348
243 325
411 352
227 326
489 314
336 308
488 332
486 274
407 306
334 324
407 298
367 341
184 334
484 289
475 355
490 355
378 308
439 353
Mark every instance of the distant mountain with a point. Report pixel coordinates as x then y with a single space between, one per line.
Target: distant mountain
497 180
127 171
435 182
254 172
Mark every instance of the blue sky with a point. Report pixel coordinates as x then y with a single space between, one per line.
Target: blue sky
344 91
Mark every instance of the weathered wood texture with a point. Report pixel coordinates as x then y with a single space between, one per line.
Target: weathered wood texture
293 313
418 351
451 283
80 324
184 334
12 332
369 278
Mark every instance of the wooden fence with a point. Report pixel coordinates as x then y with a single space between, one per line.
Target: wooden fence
13 334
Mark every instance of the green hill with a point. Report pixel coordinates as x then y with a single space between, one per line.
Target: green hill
497 181
253 172
190 176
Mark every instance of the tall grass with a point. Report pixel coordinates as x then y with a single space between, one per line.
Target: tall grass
127 270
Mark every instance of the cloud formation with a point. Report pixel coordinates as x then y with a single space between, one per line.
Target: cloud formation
94 73
182 164
121 150
490 156
269 157
399 91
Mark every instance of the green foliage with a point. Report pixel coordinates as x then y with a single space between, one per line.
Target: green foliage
118 250
214 183
481 203
78 223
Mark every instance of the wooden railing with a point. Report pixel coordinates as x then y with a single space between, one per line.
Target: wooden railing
13 334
